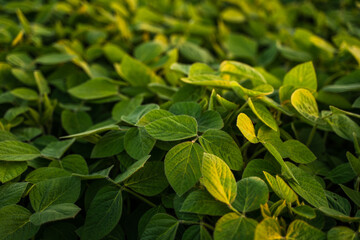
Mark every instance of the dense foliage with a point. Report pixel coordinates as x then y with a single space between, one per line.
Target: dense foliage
179 119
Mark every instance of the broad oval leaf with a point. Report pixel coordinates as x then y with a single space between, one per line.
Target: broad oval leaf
201 202
251 193
54 58
263 114
138 143
15 223
54 191
299 152
269 228
221 144
305 103
232 226
54 213
104 213
307 187
341 233
246 127
17 151
94 89
132 169
302 76
183 166
300 230
243 70
149 180
218 179
173 128
11 170
11 193
25 93
281 189
161 226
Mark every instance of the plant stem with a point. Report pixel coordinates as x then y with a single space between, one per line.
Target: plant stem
139 197
234 210
311 136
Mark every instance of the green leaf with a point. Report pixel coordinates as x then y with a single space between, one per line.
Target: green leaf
192 109
46 173
279 159
241 46
305 103
196 233
152 116
125 107
307 187
302 76
251 193
338 215
337 121
110 144
161 227
210 120
246 127
25 93
94 89
341 233
342 173
149 180
11 170
11 193
354 163
54 213
195 53
304 211
93 131
104 173
263 114
138 143
15 224
54 191
256 167
104 213
54 58
281 189
136 73
243 70
138 112
215 141
352 194
132 169
201 202
73 163
268 228
183 166
173 128
75 122
218 179
17 151
299 152
57 148
147 51
145 218
208 80
232 226
300 230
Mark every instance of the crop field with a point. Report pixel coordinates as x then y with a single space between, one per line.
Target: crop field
179 119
